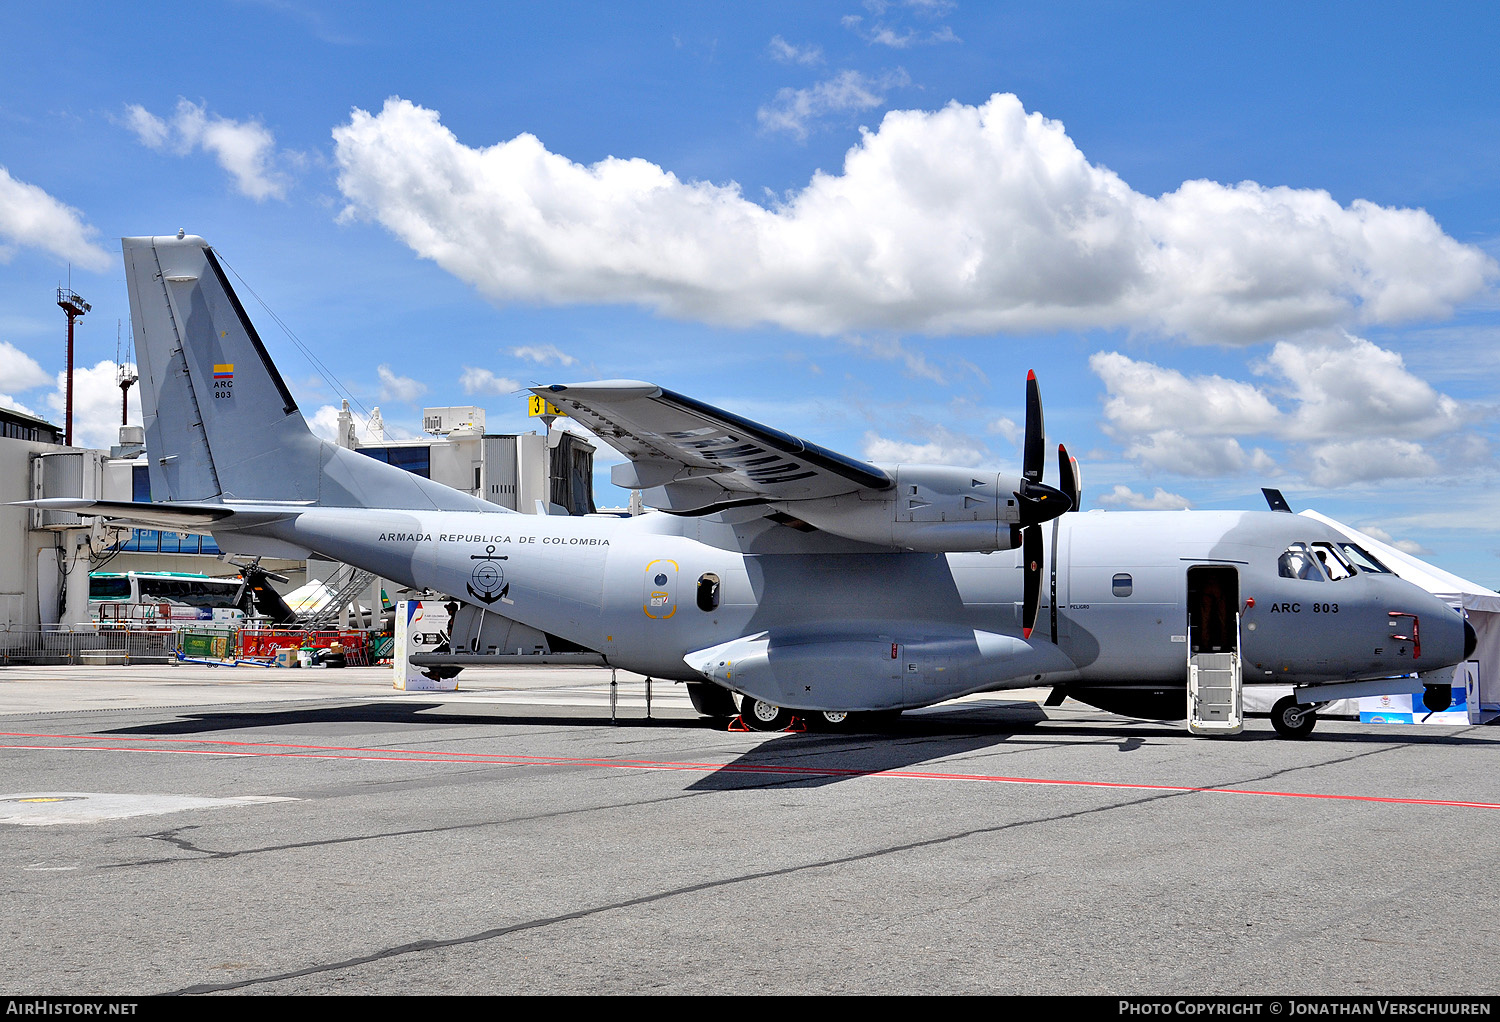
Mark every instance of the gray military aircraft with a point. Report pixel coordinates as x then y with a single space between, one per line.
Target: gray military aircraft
804 581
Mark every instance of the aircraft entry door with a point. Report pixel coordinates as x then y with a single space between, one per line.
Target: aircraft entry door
1215 698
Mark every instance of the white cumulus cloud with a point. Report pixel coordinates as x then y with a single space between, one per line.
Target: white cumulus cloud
324 423
483 381
967 219
246 149
943 448
1354 386
543 354
31 218
394 387
1346 410
1407 546
19 370
1160 499
1347 461
1145 397
96 404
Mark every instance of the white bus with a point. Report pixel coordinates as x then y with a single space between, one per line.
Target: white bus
164 598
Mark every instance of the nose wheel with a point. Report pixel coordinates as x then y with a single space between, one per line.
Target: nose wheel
1292 719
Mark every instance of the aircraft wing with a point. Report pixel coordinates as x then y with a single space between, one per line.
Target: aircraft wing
689 456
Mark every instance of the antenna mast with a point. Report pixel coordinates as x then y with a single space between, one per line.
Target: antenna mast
125 374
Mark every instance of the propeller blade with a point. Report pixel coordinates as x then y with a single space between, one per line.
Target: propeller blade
1068 479
1036 501
1032 542
1033 456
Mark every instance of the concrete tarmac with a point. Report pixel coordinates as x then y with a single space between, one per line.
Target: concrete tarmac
247 831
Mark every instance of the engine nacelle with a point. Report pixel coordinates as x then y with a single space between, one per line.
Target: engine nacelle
933 509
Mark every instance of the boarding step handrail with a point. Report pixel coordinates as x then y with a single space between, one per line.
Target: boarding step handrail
350 582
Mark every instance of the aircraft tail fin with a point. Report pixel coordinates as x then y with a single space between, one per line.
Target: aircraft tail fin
221 423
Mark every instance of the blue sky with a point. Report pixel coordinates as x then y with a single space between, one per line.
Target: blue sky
1242 245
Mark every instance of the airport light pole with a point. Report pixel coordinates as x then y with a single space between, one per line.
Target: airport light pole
69 301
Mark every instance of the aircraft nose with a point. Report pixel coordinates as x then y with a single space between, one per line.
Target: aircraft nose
1471 639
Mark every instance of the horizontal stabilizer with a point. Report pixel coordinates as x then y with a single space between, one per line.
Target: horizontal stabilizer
179 517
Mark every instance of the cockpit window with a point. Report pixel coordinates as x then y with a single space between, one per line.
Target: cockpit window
1299 562
1333 562
1363 559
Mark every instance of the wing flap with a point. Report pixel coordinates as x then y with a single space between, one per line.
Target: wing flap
687 455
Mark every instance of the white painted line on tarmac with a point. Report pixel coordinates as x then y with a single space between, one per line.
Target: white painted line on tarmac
49 808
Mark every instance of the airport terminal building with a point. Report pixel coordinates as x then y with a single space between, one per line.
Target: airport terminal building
46 556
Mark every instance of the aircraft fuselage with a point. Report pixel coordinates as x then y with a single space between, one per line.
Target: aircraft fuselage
857 627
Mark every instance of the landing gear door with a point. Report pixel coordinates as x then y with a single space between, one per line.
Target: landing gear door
1214 693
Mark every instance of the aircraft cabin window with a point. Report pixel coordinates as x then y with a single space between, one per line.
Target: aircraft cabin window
1299 562
708 591
1121 584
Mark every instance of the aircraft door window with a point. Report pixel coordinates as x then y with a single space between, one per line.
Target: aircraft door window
708 591
1299 562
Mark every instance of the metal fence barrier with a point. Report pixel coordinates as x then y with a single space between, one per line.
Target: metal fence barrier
43 648
129 645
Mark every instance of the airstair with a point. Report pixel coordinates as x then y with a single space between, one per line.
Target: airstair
1215 696
346 584
1215 699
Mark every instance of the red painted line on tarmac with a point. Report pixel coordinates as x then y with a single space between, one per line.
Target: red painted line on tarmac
285 750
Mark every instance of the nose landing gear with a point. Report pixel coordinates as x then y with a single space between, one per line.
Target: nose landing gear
1292 719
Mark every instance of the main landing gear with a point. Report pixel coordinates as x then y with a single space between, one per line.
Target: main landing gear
764 716
760 715
1292 719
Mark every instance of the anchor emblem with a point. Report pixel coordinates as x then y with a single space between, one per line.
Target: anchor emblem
487 581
